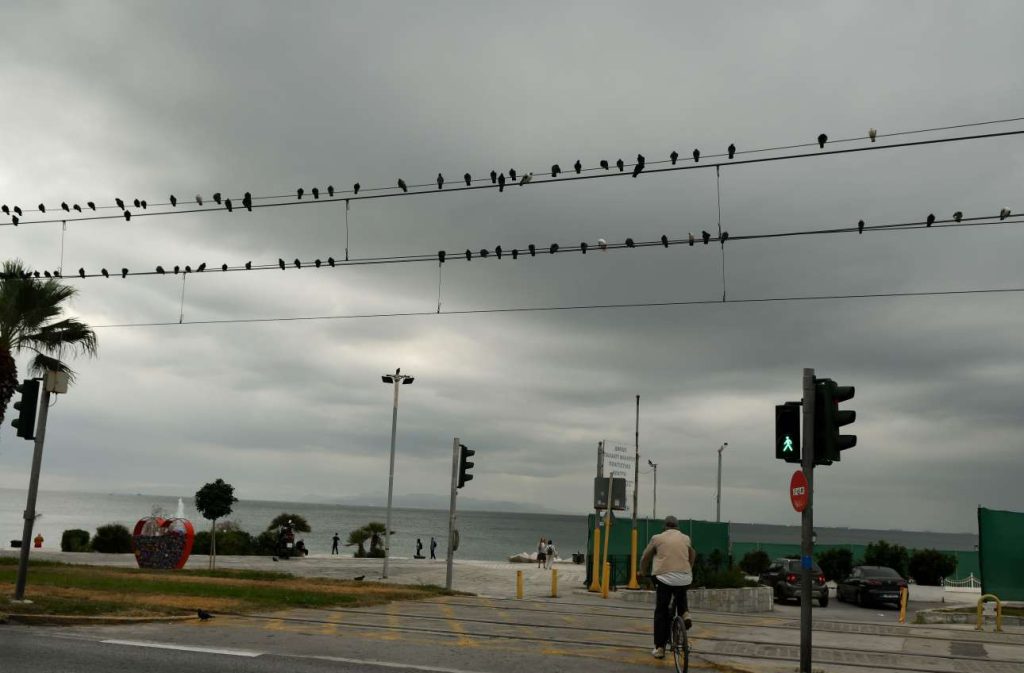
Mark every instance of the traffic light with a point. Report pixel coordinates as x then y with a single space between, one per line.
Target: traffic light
828 419
26 408
464 464
787 432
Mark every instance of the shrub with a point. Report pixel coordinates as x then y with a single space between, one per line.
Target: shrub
755 562
265 544
230 542
74 539
299 523
731 578
836 563
929 566
112 539
882 553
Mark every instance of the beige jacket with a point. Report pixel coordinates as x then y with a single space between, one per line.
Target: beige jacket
671 552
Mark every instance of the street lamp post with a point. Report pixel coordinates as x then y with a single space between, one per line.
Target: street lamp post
395 379
654 508
718 497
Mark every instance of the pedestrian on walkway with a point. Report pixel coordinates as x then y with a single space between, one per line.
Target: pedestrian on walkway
419 549
549 554
541 552
433 548
334 544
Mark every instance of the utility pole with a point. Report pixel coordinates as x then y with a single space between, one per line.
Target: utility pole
633 584
807 523
33 489
654 508
451 514
397 378
718 495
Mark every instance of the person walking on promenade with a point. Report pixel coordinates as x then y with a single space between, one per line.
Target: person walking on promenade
549 554
334 544
668 560
541 555
419 549
433 548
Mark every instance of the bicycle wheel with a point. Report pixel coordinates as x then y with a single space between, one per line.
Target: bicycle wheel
680 645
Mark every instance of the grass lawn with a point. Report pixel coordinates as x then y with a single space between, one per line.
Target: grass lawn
65 589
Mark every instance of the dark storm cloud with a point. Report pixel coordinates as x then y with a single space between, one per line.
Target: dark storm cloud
151 99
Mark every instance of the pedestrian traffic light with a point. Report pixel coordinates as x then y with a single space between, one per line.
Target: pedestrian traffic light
26 408
787 432
464 464
828 419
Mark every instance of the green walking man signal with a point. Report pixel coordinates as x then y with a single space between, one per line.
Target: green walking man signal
787 432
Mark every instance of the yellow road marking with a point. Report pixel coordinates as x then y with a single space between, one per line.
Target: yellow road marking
456 626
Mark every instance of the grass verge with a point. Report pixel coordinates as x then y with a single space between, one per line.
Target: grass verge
66 589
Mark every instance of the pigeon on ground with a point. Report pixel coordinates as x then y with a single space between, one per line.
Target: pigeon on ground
578 167
958 215
604 164
860 227
440 181
274 559
402 185
467 178
822 139
359 579
732 150
203 614
355 188
674 157
621 165
501 182
871 134
696 156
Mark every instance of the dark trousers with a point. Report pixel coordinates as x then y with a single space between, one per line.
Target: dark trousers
662 618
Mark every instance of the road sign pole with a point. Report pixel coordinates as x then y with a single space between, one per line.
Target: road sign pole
33 489
807 524
451 514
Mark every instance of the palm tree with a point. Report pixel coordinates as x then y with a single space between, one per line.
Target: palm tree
359 537
31 311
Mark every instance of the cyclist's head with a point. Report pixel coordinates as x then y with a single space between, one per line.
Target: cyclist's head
671 522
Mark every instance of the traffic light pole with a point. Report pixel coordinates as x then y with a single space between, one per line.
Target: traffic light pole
451 514
807 524
33 489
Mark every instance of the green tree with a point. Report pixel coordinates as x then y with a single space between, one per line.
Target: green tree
882 553
836 563
298 521
358 537
929 566
31 319
376 530
214 501
112 539
755 562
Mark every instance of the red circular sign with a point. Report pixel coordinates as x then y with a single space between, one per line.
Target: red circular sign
799 491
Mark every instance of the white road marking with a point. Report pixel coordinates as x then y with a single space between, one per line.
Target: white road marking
386 664
186 648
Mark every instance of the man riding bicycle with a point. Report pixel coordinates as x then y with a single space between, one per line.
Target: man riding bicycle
668 561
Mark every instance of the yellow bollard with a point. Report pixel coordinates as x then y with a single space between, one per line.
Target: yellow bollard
595 585
606 580
554 583
904 596
633 584
519 584
999 611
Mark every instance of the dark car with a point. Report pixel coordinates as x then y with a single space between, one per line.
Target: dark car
871 584
784 576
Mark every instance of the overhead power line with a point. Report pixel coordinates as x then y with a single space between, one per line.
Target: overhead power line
576 307
334 196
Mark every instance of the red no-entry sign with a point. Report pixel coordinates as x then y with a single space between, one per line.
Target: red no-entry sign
799 491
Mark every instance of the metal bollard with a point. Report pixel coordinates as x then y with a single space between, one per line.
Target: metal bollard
999 612
554 583
904 597
606 580
519 584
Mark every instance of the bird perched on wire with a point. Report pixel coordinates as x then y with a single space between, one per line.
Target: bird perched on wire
533 250
553 249
81 272
137 203
402 185
42 208
664 240
639 165
630 243
467 178
330 190
674 157
355 188
583 247
555 170
578 167
603 244
124 272
143 203
5 209
958 215
484 253
696 156
512 174
223 267
77 207
47 274
440 181
930 220
17 209
227 204
604 164
127 216
201 267
316 192
298 193
203 614
1004 213
822 139
119 202
159 270
14 220
64 206
621 165
732 150
691 239
248 266
280 263
501 182
330 261
317 263
177 269
174 201
705 236
723 238
247 201
515 253
188 269
216 197
199 200
92 206
497 251
872 133
525 179
494 177
298 264
860 227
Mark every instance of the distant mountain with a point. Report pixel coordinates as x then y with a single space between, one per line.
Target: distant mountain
434 501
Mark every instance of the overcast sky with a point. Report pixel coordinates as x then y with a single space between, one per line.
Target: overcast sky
142 100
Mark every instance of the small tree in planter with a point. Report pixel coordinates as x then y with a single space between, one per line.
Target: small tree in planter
214 501
298 522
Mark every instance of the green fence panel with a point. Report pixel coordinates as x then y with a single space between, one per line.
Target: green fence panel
1001 552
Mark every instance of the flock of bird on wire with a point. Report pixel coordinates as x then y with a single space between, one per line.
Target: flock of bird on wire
495 177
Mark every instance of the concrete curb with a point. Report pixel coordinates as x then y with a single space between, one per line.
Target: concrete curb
84 620
945 616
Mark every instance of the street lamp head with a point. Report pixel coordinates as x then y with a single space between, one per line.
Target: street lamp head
387 379
407 380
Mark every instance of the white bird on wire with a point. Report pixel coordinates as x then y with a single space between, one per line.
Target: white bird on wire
603 244
525 179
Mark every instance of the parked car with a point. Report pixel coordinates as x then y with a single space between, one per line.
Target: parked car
784 576
871 584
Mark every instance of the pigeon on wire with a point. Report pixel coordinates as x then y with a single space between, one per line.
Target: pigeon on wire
42 208
159 269
583 247
872 133
1004 213
958 215
247 201
930 220
92 206
402 185
494 177
555 170
201 267
533 250
216 198
127 216
822 139
621 165
467 178
17 209
124 272
137 203
298 193
223 267
732 150
603 244
5 209
119 202
177 269
280 263
47 274
469 254
512 174
690 239
248 265
497 251
81 272
143 204
440 181
298 264
664 240
674 157
64 206
604 164
199 200
330 190
705 236
630 243
696 156
525 179
316 192
553 249
578 167
227 204
724 237
860 227
639 165
501 182
174 201
355 188
77 207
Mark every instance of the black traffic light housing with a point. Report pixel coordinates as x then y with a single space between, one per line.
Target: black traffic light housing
828 419
787 432
26 408
465 464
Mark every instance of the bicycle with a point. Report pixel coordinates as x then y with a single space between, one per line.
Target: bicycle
678 641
